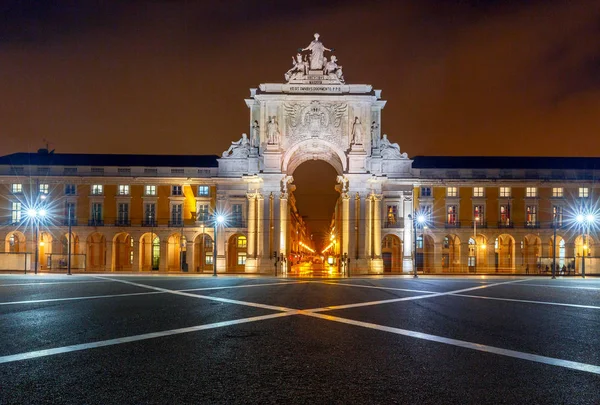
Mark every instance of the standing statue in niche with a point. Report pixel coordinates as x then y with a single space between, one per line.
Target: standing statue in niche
391 150
238 149
333 67
273 132
317 49
255 140
357 132
299 68
374 135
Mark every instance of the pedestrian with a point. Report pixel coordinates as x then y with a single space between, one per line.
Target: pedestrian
547 269
564 269
527 269
569 269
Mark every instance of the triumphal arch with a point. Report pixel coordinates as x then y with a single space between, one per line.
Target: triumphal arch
317 115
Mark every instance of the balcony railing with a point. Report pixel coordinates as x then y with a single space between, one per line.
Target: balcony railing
532 224
176 222
505 224
95 222
149 222
236 223
122 222
455 224
65 222
480 224
399 223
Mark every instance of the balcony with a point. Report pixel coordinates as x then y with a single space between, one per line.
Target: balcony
455 224
95 222
505 224
65 222
176 223
532 225
399 223
480 224
149 222
122 222
236 223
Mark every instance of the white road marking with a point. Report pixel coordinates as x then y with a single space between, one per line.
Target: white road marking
226 300
373 286
563 286
417 297
129 339
55 282
91 297
589 368
528 301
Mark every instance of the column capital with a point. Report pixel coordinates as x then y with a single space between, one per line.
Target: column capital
253 195
376 197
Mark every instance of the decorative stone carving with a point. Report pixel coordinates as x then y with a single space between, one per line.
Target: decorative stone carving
286 186
314 120
299 68
357 132
238 149
255 140
390 150
375 138
317 49
332 67
343 180
273 132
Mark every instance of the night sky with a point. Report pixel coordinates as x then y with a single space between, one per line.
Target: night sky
461 77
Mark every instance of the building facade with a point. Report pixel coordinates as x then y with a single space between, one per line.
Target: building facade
143 213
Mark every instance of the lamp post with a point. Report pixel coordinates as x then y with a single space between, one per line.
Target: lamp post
475 240
554 247
585 221
70 210
218 221
417 219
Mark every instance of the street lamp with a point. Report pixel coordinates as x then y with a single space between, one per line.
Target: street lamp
585 220
36 215
418 220
219 220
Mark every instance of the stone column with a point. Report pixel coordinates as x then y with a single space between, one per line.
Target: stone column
368 227
164 245
408 242
251 247
346 235
135 266
108 263
275 225
260 225
283 228
377 261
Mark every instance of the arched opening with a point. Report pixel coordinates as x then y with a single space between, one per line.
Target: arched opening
96 252
203 253
122 252
149 252
391 252
504 247
60 259
561 259
531 251
478 254
584 248
15 243
236 253
45 250
175 251
451 253
424 254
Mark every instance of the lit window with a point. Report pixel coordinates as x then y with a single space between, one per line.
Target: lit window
426 211
44 188
419 242
531 215
452 213
150 190
203 191
16 188
478 191
452 192
584 192
478 214
123 189
97 189
504 215
241 258
557 213
16 212
70 189
241 242
531 192
505 191
202 215
425 191
557 192
176 190
236 215
392 214
208 259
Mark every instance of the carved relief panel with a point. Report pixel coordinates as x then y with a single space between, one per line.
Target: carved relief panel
320 120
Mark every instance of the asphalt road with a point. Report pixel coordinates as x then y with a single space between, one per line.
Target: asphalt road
112 339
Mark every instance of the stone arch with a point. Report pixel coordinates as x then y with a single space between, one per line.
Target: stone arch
45 249
236 252
425 253
175 249
478 253
312 149
584 247
504 248
15 242
96 252
203 253
149 252
561 250
531 251
122 253
61 252
451 253
391 252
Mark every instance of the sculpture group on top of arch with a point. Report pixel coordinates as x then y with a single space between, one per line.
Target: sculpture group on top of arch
315 63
